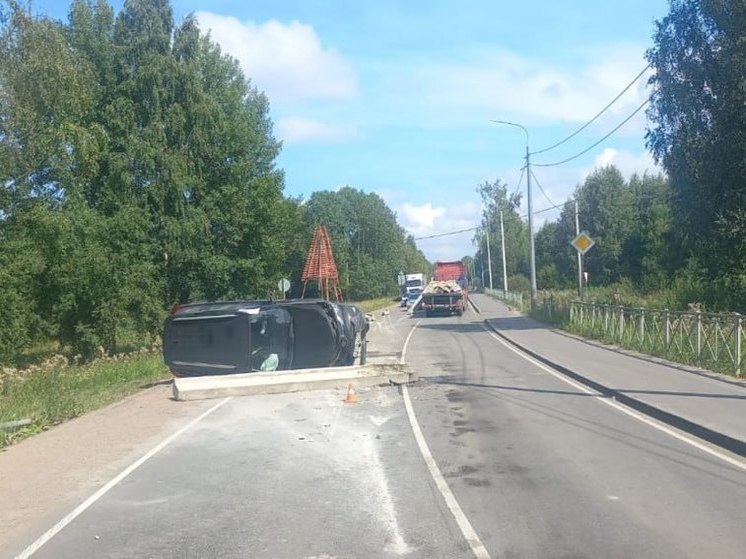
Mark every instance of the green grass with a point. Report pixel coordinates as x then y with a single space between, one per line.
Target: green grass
51 396
371 305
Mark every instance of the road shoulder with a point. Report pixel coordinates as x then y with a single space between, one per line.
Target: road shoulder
43 477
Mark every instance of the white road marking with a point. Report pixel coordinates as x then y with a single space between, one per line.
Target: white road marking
378 420
624 409
54 530
464 525
403 358
387 511
462 521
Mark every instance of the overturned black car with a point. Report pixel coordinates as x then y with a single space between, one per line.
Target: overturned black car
217 338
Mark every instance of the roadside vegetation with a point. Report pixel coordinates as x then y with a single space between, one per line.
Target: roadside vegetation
54 391
666 240
377 304
138 169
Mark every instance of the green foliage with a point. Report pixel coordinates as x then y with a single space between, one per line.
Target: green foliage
370 247
519 283
54 394
698 112
371 305
632 225
495 199
137 166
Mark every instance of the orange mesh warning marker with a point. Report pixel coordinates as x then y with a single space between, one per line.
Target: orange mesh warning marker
320 266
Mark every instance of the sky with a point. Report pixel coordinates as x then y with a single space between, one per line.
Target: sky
398 98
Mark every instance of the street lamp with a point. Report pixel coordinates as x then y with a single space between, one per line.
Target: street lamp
489 253
532 257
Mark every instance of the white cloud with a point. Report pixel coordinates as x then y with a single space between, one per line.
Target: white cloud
426 219
628 163
420 220
286 61
298 130
494 83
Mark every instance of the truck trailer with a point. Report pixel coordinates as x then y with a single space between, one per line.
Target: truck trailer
448 292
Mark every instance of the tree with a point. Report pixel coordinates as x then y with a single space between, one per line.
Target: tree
46 94
554 256
137 163
698 112
495 199
631 224
607 212
652 251
369 245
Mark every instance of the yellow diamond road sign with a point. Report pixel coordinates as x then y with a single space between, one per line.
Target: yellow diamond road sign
583 242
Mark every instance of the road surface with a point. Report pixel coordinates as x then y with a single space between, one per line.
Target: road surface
488 455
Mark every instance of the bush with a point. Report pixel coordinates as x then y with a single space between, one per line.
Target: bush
519 283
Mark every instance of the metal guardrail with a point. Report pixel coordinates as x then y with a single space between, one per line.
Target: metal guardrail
514 297
716 341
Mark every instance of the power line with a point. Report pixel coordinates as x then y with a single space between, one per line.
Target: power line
446 234
435 236
545 194
520 180
625 121
542 211
602 111
523 216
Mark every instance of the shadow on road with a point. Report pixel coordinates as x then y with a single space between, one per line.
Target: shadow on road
516 323
461 327
447 380
156 383
627 437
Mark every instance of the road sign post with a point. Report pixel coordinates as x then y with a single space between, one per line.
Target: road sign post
582 243
284 286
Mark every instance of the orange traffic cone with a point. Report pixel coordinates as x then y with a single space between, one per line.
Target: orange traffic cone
351 397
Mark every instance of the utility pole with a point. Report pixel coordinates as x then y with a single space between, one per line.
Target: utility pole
502 241
489 256
531 228
580 256
532 259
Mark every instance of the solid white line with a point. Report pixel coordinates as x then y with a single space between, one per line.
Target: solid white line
458 514
403 357
54 530
622 408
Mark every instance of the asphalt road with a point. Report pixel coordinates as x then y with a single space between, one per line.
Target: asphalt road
535 466
543 469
